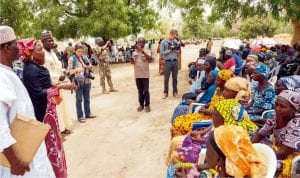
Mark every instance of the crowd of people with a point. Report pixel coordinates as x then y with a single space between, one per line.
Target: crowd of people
243 98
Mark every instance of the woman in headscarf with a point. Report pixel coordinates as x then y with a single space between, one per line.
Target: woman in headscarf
45 96
226 112
207 88
284 126
263 94
183 124
231 153
183 107
291 83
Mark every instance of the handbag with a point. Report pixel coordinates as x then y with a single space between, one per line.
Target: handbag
29 135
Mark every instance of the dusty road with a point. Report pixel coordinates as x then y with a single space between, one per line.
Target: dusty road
121 142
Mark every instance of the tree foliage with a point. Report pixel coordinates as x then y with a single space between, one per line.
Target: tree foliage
257 26
76 18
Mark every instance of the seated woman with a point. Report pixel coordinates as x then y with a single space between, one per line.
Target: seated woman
231 145
263 94
183 124
236 87
183 107
291 83
44 96
284 126
206 66
226 112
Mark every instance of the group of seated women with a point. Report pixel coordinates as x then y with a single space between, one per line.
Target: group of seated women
217 122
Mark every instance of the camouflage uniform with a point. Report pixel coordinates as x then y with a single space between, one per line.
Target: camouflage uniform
104 70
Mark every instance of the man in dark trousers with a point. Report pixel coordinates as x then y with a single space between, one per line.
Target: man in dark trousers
141 60
169 49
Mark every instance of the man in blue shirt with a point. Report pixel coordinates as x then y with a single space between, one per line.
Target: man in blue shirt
169 49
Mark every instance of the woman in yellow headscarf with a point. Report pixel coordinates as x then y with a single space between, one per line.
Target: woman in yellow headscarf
231 112
231 153
183 124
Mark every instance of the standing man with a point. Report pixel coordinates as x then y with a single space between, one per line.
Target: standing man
141 62
65 116
169 50
102 53
209 45
14 100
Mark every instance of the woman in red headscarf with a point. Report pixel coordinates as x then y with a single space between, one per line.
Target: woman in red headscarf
44 97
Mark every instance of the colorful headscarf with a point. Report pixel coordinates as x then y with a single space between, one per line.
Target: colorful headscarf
26 47
241 157
241 86
252 58
225 75
292 97
234 113
291 82
263 69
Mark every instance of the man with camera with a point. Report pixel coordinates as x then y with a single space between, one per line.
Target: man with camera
141 60
169 49
102 53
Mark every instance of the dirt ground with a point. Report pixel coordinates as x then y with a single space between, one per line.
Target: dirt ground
121 142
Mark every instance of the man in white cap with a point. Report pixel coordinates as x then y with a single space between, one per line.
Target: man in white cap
14 99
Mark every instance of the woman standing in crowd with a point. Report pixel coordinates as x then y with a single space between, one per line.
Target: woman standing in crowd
44 96
79 69
263 97
284 125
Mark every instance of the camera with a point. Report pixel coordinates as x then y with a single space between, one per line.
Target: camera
88 74
175 45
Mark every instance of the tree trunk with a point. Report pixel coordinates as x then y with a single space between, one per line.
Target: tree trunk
296 35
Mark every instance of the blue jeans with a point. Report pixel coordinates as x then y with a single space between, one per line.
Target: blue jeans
83 92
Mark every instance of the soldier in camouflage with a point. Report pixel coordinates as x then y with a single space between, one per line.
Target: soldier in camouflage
103 60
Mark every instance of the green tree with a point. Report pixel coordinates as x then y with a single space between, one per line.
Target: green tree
66 18
257 26
16 14
229 11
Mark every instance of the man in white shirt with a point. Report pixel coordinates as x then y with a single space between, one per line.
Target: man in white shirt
14 99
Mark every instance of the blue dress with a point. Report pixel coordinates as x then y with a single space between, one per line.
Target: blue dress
262 100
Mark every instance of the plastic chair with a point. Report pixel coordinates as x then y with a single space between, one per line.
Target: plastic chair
295 166
273 80
264 114
198 107
267 155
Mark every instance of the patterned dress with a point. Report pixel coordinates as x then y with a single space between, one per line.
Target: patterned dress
184 123
262 100
288 136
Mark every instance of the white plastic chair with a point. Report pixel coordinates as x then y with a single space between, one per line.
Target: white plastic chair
273 80
267 155
263 115
294 166
199 106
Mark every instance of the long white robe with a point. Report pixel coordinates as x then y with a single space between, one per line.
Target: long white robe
15 99
65 110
